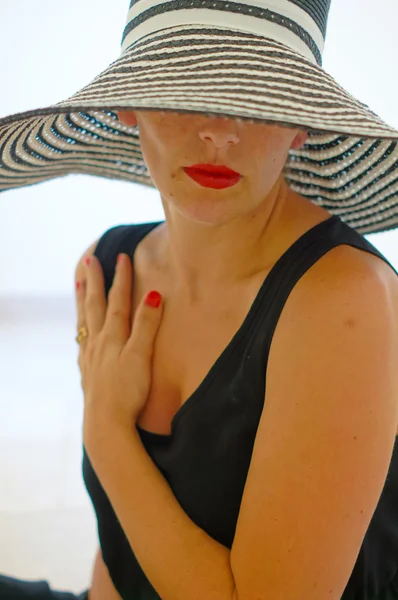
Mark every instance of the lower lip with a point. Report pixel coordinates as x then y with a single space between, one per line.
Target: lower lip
208 180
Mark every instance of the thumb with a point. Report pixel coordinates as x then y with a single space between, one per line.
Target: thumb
145 325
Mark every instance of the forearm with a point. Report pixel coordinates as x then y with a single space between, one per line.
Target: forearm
180 560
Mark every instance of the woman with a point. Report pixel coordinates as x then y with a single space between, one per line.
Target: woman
210 260
272 354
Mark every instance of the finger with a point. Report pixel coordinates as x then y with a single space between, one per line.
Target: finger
80 299
81 311
146 325
118 317
95 301
81 321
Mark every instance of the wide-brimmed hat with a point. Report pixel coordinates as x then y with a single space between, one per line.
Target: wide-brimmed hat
252 60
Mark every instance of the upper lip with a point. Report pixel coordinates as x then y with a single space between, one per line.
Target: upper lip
214 169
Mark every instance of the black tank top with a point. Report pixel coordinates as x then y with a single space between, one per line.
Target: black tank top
206 458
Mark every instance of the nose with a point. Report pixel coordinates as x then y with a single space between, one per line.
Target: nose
218 138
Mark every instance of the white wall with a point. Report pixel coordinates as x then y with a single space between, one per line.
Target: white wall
51 49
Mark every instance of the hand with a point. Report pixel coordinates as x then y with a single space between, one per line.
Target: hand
115 359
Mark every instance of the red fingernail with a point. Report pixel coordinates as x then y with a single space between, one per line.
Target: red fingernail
78 284
88 261
153 299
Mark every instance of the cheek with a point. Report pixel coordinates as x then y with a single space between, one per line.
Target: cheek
279 150
273 155
269 163
157 161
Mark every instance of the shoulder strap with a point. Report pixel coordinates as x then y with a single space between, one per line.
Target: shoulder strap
122 238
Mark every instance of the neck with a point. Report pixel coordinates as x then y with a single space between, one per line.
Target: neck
200 258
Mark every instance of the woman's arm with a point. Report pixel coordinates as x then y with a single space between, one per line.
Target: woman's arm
102 587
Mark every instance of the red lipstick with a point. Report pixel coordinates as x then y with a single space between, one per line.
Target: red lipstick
213 176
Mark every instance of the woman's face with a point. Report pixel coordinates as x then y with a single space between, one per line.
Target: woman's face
171 141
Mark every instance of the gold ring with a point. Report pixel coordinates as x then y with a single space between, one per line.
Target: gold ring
83 333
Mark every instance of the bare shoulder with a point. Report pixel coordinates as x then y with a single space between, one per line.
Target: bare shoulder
350 285
346 267
339 261
342 268
345 261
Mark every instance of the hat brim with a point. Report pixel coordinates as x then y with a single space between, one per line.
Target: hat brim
349 164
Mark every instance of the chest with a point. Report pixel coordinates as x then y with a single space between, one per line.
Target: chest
187 346
189 342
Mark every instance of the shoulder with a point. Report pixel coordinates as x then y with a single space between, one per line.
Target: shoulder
346 285
344 260
349 268
345 307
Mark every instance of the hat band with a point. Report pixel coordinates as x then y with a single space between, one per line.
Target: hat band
288 23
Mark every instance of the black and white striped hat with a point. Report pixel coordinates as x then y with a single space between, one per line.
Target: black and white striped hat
257 60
